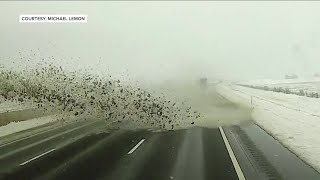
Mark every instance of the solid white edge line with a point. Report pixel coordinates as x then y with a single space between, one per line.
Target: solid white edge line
26 162
135 147
232 156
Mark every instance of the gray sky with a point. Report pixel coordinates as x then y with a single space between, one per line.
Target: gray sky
163 40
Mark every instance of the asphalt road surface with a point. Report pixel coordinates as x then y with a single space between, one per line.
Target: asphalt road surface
85 150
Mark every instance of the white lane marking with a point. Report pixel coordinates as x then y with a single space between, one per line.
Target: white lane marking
134 148
26 162
232 156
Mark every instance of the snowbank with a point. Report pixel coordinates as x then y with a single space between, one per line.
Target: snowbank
14 127
293 120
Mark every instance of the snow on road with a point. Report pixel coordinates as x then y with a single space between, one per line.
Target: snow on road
293 120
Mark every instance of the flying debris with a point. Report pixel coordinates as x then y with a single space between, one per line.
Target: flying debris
79 93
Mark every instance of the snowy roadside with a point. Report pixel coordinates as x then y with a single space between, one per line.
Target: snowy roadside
292 120
8 106
14 127
11 111
16 117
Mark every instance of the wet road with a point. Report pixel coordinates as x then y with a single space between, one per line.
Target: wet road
86 150
196 153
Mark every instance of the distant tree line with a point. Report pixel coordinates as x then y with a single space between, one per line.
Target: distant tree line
284 90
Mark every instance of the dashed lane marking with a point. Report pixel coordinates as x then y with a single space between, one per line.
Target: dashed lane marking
26 162
136 147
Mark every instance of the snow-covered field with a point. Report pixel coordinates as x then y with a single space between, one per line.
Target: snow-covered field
294 85
280 81
291 119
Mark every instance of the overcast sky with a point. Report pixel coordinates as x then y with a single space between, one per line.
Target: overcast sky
163 40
